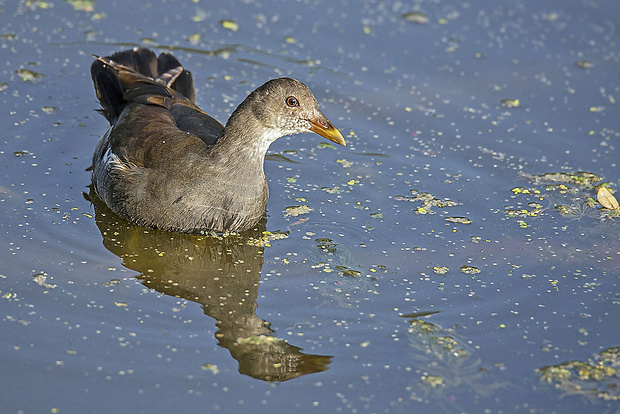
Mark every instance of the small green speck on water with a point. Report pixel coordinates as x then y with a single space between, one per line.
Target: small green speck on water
584 64
195 38
511 103
433 381
230 25
210 367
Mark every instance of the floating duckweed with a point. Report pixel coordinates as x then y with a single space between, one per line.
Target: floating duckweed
49 109
428 201
461 220
584 64
230 25
581 178
416 17
28 75
267 237
41 280
349 272
433 381
470 270
333 190
295 211
511 103
210 367
595 378
82 5
327 245
195 38
345 163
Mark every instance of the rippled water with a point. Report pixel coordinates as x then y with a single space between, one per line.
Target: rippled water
445 257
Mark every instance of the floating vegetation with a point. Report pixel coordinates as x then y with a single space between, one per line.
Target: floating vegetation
210 367
584 64
570 194
267 237
416 17
444 363
580 178
534 209
428 201
41 280
28 75
3 86
597 378
326 245
470 270
82 5
345 271
49 109
195 38
607 199
294 211
577 210
511 103
441 270
230 25
332 190
460 220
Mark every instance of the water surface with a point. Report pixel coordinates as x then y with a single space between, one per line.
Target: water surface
444 258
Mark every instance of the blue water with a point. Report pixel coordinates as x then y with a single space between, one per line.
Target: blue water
98 316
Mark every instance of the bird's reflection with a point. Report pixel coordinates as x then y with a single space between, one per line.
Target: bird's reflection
221 274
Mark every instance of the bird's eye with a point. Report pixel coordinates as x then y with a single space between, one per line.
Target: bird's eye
292 101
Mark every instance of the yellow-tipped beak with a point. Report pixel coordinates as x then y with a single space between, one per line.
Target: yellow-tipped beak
325 129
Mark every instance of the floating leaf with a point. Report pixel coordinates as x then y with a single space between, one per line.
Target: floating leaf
607 199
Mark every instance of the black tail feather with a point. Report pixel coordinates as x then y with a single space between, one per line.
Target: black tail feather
113 94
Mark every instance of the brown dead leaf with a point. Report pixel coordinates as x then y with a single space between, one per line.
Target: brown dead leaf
607 199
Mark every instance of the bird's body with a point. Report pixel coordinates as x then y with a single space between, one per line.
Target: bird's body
164 163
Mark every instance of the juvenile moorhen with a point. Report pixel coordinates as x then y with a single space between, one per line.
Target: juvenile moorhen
164 163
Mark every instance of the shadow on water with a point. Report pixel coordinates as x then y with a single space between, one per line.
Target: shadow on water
220 273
